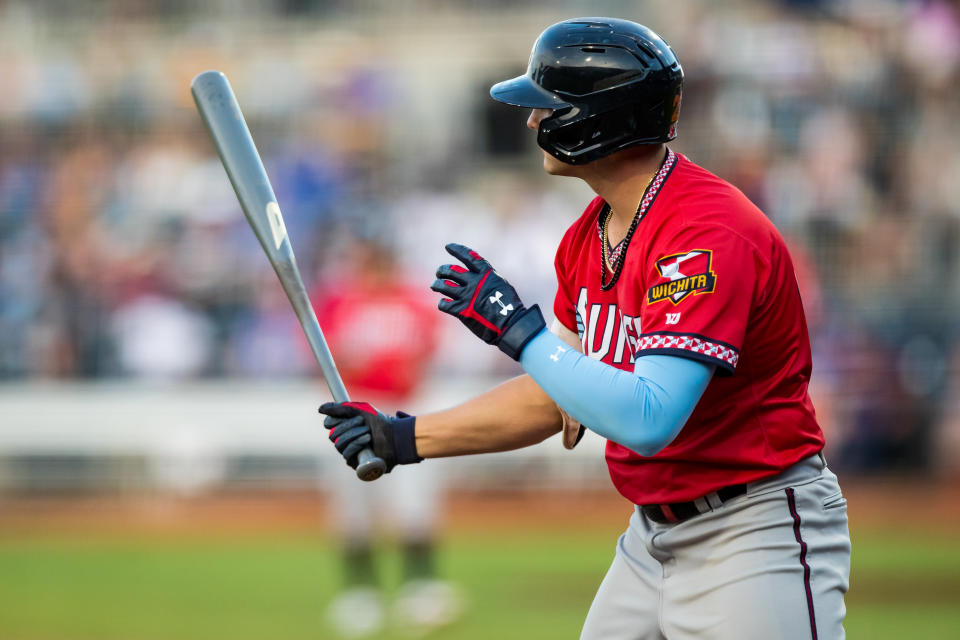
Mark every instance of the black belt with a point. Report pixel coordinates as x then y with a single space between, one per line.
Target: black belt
680 511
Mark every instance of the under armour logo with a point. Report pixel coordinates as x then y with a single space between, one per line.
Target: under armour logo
673 318
556 356
504 308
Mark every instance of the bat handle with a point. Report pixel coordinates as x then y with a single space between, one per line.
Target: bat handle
369 466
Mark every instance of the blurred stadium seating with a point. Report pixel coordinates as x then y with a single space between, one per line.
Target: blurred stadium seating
141 328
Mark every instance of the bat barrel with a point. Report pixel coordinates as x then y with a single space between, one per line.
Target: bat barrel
220 111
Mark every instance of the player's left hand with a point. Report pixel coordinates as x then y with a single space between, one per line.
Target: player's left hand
356 425
486 303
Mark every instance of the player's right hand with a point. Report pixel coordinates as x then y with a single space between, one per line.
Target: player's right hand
356 425
485 302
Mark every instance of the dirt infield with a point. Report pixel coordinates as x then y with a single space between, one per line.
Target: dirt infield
881 504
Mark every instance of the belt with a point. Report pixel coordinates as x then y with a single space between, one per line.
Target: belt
680 511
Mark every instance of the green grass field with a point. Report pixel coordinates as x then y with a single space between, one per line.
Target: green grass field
153 588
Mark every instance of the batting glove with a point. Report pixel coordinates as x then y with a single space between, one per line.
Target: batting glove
356 425
486 303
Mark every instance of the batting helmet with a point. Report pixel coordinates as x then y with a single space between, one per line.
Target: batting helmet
611 84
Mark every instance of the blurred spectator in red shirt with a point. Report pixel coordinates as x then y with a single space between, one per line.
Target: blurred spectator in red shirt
383 333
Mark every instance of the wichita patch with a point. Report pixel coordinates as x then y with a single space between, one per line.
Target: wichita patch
685 274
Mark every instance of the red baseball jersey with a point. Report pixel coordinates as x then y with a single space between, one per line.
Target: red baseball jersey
706 276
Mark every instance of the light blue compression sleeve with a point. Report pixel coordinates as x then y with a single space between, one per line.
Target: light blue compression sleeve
643 411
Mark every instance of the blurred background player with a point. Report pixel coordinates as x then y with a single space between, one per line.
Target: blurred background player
384 332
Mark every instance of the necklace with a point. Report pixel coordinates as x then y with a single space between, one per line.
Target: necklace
649 195
616 266
610 254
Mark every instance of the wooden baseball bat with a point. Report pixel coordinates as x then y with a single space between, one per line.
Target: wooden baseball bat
220 111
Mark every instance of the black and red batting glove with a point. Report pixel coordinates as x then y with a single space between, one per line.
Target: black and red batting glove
486 303
355 425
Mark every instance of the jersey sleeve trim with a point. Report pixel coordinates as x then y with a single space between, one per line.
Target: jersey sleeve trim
693 346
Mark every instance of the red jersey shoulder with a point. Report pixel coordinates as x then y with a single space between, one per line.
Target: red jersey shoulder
708 229
700 271
697 196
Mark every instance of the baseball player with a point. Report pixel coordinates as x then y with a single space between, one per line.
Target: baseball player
679 336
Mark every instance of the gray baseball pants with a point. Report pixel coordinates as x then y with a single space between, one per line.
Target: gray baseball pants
771 564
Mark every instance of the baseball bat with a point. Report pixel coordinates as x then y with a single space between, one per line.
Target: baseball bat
220 111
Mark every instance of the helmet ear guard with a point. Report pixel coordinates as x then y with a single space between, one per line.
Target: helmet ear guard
575 139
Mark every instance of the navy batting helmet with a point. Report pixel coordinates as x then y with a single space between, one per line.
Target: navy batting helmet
611 84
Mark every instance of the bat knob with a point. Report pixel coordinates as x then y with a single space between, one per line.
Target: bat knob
369 466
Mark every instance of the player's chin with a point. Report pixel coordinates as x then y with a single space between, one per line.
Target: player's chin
555 167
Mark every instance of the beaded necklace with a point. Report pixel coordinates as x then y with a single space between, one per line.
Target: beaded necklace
649 194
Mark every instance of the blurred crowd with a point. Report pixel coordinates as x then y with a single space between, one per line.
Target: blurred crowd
123 252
